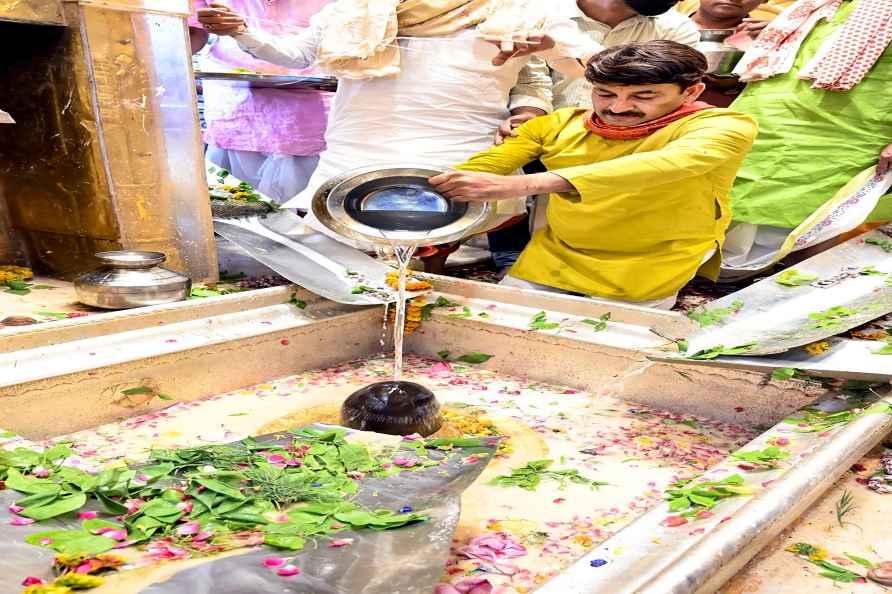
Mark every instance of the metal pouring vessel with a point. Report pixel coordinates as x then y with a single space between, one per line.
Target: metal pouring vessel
131 279
720 58
396 206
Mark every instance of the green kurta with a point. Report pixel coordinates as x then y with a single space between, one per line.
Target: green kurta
811 142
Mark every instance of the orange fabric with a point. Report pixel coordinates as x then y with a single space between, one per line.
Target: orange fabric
596 125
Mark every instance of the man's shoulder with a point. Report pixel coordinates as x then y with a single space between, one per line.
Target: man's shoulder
676 26
722 118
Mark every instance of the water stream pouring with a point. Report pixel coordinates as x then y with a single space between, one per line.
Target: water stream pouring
397 208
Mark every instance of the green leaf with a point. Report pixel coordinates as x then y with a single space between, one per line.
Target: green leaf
161 396
782 374
28 484
138 390
599 324
474 358
884 350
679 504
63 505
885 244
299 304
794 278
53 314
38 499
221 488
282 541
97 523
111 505
862 561
72 542
711 317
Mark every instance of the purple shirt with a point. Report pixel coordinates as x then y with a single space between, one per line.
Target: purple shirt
267 121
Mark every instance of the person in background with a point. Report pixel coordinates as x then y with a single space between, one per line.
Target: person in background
724 14
608 23
419 83
270 138
753 23
819 82
639 186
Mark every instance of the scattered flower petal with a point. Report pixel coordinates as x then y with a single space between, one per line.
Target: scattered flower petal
188 529
674 521
340 542
274 562
20 521
32 581
288 570
15 509
87 515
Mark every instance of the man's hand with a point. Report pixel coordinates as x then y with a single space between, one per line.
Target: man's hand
752 27
221 20
885 164
521 45
520 116
469 186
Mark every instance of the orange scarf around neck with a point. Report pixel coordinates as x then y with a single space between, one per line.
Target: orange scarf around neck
596 125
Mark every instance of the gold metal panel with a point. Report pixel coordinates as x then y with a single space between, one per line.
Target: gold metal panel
148 124
32 11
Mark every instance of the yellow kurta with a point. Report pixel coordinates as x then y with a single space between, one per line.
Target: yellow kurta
645 212
764 12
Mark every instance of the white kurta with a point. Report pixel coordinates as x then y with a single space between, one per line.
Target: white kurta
444 106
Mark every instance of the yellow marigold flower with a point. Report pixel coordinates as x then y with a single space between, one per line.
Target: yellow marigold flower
412 283
817 348
78 581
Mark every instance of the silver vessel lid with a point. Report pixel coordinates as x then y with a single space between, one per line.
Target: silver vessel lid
385 205
130 259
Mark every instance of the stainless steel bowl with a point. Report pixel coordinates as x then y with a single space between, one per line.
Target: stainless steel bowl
396 205
131 279
720 58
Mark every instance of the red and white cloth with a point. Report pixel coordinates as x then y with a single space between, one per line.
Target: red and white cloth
842 61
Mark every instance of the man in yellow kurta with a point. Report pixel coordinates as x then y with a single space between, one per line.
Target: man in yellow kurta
639 187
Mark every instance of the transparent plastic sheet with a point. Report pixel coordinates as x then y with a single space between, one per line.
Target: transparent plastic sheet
406 560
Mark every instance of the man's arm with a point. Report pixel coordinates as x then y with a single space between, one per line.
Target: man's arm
707 144
533 88
292 51
487 175
530 98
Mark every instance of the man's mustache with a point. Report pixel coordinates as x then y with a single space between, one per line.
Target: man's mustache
625 114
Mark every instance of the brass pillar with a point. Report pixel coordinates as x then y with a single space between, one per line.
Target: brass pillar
106 151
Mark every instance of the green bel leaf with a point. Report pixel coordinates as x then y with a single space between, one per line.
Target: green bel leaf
782 374
474 358
72 542
62 505
221 488
283 541
794 278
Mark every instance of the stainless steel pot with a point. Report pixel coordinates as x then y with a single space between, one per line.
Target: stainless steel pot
396 205
130 279
721 58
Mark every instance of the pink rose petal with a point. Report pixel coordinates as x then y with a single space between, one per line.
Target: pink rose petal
274 562
15 509
340 542
188 529
288 571
674 521
19 521
87 515
32 581
276 459
202 536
